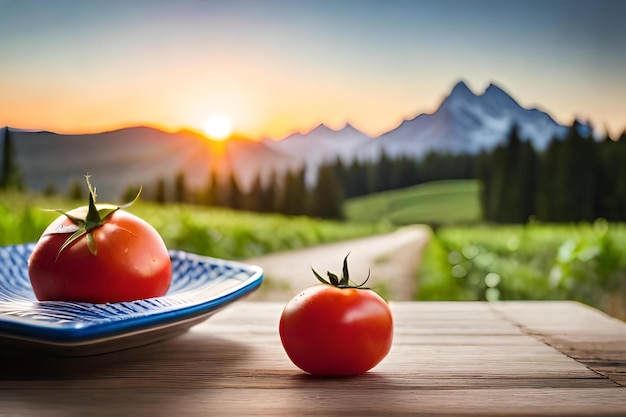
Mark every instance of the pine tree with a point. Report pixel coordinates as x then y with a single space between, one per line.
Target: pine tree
546 198
569 174
508 176
251 198
528 170
379 174
293 198
606 178
483 174
356 179
212 191
496 202
327 196
233 196
266 202
403 173
160 196
575 177
10 176
517 195
180 188
584 167
619 187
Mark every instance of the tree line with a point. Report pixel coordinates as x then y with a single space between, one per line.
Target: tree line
10 174
336 181
576 178
287 194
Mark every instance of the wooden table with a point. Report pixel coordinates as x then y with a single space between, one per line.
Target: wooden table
514 358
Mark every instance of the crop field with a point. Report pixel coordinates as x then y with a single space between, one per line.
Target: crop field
437 202
583 262
221 233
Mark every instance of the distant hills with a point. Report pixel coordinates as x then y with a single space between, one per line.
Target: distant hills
137 156
463 123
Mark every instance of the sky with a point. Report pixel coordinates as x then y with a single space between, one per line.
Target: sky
275 66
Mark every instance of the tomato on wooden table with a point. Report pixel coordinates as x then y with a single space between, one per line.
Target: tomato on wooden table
335 328
99 254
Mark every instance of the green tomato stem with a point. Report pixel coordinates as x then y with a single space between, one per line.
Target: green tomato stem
96 216
345 281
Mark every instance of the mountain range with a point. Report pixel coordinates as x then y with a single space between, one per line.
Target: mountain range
464 122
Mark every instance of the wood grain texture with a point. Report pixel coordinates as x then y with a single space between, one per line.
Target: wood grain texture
518 358
580 332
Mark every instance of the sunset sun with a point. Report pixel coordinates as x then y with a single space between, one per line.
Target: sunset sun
218 126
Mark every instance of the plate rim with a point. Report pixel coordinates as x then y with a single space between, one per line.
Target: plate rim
94 331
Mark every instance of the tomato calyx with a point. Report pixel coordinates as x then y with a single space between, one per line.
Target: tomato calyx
96 216
344 281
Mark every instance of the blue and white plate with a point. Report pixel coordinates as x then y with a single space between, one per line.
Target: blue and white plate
200 287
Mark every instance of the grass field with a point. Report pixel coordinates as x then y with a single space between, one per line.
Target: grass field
208 231
435 203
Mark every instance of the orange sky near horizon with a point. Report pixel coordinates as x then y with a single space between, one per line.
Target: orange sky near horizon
183 102
276 67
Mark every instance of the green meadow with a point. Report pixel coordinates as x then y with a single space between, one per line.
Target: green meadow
435 203
468 259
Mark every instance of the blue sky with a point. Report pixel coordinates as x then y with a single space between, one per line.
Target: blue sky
278 66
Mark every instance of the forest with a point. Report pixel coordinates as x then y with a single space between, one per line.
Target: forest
575 179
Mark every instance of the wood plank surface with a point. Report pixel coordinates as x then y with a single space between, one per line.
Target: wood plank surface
510 358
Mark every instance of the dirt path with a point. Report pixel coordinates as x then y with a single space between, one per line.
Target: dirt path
392 258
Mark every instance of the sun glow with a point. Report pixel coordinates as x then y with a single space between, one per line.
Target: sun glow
218 126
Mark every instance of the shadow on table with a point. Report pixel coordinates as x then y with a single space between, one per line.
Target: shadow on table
190 358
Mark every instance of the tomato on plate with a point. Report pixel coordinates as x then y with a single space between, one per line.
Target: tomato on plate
336 328
99 254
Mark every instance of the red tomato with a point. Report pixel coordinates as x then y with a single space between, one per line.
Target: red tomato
130 262
336 331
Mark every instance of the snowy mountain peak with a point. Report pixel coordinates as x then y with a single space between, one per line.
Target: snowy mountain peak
495 95
464 122
467 123
460 96
494 90
461 89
